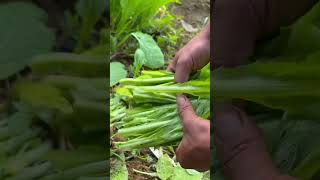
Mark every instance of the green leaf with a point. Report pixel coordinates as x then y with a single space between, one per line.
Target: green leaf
119 169
152 52
39 94
23 35
164 167
180 173
139 61
117 72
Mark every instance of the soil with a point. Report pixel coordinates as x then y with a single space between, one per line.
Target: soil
138 165
193 12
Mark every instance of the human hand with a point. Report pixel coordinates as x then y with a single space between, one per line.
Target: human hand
192 57
193 151
240 147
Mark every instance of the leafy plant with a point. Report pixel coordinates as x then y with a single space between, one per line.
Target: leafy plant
148 54
117 72
131 16
24 34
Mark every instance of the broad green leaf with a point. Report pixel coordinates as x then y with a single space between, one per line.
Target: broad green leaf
139 61
183 174
152 52
117 72
164 167
39 94
23 35
119 169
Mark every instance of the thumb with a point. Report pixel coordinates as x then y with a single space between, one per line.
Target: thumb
185 109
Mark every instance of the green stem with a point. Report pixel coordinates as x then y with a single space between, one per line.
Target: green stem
150 81
83 170
31 173
12 144
142 128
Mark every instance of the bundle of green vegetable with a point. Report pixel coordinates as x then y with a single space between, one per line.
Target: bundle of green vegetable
26 153
53 124
117 110
151 118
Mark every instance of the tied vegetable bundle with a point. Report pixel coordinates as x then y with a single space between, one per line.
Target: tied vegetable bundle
151 118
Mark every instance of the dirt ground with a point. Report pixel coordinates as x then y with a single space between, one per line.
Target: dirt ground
194 11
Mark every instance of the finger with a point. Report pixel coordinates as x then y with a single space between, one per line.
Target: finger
183 69
185 109
172 66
